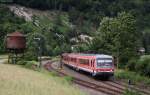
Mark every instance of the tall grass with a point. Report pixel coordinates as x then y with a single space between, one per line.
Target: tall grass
15 80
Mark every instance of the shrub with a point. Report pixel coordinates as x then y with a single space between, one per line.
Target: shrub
30 56
147 70
131 64
22 62
29 64
133 76
143 66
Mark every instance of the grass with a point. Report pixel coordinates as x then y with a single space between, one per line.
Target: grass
133 76
3 56
55 58
128 92
15 80
145 56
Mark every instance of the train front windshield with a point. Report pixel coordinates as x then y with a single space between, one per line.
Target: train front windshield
104 63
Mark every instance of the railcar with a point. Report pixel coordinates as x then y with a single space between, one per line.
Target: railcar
95 64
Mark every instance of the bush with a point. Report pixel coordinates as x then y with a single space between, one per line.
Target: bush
148 69
143 66
29 64
121 74
22 62
131 64
30 55
133 76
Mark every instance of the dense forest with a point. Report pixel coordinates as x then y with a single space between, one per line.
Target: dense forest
116 27
93 11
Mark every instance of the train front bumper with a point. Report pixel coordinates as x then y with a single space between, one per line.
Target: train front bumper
103 73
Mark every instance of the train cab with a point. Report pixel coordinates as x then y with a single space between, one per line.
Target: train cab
104 65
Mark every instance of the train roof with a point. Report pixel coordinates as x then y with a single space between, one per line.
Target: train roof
98 55
90 55
103 56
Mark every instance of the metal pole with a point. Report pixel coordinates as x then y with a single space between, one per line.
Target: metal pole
39 52
40 59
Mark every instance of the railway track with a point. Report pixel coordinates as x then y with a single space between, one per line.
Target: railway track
100 88
104 89
109 87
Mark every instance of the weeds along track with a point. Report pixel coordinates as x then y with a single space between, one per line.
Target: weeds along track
142 91
107 87
133 88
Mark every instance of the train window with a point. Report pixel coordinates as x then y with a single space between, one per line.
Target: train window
84 61
104 58
73 59
104 63
66 58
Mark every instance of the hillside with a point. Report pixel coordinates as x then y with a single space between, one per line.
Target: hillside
120 28
15 80
86 16
116 27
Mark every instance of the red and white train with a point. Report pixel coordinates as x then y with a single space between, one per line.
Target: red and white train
96 64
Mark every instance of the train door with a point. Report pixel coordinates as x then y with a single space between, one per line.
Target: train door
91 64
93 67
77 64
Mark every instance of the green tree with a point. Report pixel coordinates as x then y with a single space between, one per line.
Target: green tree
146 40
118 36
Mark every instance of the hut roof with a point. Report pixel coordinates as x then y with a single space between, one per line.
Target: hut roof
16 34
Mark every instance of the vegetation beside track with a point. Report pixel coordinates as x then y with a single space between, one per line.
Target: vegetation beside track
128 92
133 76
140 65
16 80
136 80
137 70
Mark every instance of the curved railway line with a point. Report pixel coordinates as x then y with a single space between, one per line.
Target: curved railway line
108 87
